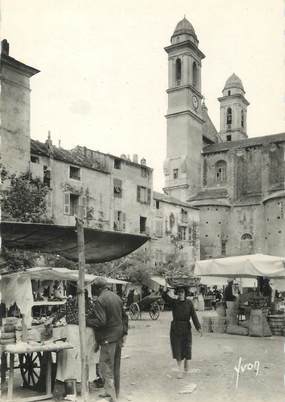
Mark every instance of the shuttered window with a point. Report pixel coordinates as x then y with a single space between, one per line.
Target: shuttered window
84 206
66 209
143 195
118 190
119 221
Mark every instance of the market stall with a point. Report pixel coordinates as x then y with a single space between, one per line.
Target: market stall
85 245
33 296
253 302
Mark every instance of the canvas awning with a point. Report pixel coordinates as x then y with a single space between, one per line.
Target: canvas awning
100 245
244 266
16 287
155 282
59 274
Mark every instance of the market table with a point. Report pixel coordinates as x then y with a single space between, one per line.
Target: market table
23 348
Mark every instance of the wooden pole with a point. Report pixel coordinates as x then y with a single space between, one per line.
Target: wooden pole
81 305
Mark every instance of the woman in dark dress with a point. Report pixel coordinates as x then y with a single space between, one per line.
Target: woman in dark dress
180 329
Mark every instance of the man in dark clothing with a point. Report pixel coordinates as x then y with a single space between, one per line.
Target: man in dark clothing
110 324
228 293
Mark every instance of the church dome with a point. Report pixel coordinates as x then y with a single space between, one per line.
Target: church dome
234 82
184 27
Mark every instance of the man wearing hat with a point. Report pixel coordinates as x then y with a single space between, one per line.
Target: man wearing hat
110 324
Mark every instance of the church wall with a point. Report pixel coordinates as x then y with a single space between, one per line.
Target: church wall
210 176
213 230
274 234
246 230
276 167
248 166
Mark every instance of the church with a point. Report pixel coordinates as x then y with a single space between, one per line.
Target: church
236 180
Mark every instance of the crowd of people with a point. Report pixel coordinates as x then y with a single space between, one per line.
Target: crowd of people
107 328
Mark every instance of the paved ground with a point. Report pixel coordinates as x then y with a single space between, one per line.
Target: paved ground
148 370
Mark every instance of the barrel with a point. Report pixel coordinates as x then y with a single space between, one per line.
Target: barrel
219 324
276 324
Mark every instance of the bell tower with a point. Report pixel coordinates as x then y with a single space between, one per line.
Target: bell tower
233 110
184 114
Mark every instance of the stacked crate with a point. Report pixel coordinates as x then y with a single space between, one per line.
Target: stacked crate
7 331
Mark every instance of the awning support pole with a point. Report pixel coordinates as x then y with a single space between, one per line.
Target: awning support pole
81 306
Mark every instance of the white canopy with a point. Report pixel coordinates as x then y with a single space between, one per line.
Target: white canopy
244 266
52 274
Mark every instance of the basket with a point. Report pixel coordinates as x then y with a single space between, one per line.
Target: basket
207 324
237 330
219 325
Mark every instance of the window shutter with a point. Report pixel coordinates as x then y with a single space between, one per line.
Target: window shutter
116 220
66 204
148 195
49 203
84 206
138 193
123 221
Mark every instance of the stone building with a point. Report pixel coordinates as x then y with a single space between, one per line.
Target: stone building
237 182
116 193
175 231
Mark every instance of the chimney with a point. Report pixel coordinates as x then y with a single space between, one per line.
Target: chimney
143 161
59 143
49 142
135 158
5 47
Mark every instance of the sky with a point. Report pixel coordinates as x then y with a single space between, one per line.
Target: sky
104 69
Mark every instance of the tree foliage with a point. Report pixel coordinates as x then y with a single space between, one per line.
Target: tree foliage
24 199
20 260
134 268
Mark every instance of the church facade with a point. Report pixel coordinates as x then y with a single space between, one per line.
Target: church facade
236 181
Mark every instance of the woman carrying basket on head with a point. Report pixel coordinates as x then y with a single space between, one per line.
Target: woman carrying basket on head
180 329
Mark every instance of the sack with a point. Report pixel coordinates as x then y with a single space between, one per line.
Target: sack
236 330
258 325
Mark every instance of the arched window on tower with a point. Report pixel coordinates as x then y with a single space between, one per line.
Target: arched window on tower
194 74
242 119
178 71
229 117
246 236
221 172
246 244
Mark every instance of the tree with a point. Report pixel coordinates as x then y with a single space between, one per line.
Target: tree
134 268
24 199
